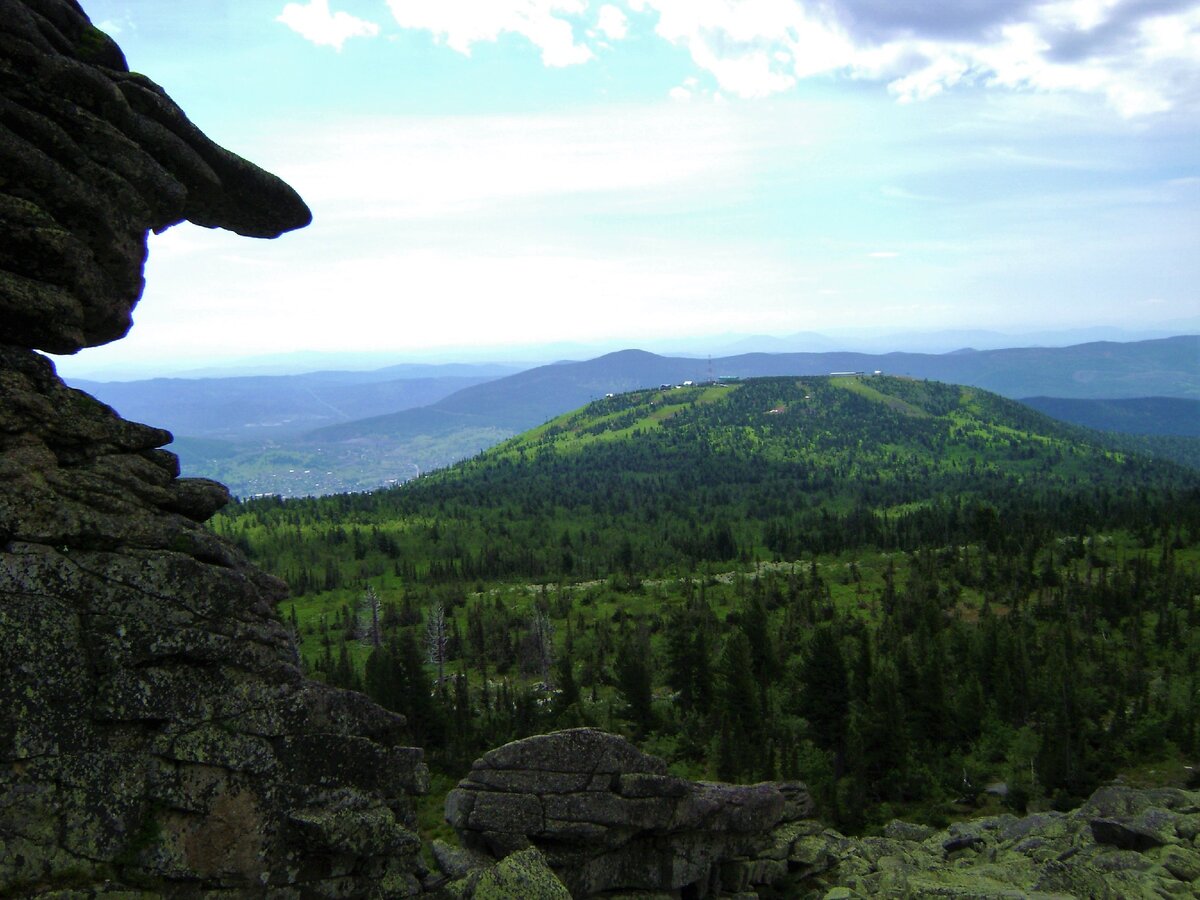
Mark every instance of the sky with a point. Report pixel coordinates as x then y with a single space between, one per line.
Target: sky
489 173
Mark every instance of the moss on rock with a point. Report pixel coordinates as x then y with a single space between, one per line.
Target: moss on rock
522 874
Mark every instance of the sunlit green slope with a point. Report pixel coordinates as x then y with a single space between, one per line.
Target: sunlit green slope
660 479
875 584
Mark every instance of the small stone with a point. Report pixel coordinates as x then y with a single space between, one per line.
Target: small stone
1181 862
524 875
1125 834
962 842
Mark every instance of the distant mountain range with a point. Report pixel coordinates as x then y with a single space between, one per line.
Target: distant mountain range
1146 415
937 341
273 447
267 407
1168 368
516 357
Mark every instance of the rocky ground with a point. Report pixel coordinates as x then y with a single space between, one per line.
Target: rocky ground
608 821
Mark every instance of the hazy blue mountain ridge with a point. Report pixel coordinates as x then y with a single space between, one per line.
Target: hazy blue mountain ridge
1144 415
1169 367
270 406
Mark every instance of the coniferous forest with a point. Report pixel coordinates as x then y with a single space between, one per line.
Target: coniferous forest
919 598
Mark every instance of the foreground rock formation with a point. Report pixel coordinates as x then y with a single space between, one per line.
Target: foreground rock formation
155 729
607 820
607 816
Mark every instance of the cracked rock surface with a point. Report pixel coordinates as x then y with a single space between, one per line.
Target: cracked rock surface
156 733
608 817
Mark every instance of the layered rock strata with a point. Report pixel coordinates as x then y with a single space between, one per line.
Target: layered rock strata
608 817
155 729
92 157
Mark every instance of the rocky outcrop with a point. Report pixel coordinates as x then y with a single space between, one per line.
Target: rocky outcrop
1121 844
154 725
93 156
155 730
608 817
608 821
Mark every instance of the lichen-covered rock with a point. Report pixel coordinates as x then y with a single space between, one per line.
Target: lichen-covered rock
1042 855
906 831
92 157
609 817
156 734
583 798
1182 862
154 725
523 874
456 862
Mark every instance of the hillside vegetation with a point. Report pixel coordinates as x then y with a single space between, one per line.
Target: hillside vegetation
900 591
378 431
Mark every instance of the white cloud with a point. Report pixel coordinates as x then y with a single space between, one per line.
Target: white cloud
612 22
689 89
316 23
462 23
1141 57
1139 60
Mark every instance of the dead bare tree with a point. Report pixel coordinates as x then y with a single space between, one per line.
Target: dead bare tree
372 602
541 632
436 639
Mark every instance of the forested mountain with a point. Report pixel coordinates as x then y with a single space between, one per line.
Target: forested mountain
1169 366
377 450
765 463
901 591
1163 427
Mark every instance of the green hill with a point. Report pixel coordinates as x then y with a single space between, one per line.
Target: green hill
382 449
897 590
778 467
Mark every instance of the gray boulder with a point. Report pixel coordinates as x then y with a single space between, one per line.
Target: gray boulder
609 817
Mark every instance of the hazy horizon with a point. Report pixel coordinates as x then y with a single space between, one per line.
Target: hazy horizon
518 356
638 172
